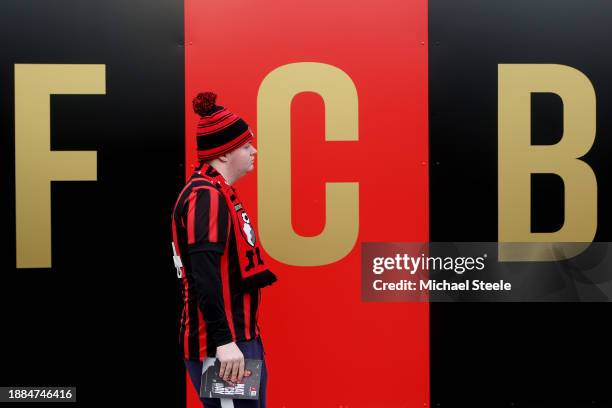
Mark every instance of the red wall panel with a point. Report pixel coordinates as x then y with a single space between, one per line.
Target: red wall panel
317 332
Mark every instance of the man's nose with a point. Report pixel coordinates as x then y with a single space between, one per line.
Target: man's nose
254 152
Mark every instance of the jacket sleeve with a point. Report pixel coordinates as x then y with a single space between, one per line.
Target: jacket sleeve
206 270
207 221
207 228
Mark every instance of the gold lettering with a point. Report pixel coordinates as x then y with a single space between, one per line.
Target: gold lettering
276 92
518 159
36 165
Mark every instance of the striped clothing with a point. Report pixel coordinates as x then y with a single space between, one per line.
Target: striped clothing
219 132
215 309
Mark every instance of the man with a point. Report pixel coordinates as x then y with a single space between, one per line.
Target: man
217 255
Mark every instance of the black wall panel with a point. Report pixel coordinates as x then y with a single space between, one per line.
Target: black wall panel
103 318
499 354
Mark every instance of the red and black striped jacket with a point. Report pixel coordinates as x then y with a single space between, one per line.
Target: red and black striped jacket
215 309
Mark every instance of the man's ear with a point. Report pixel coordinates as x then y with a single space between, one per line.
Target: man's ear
223 158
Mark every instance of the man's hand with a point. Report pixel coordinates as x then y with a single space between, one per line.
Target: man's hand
232 363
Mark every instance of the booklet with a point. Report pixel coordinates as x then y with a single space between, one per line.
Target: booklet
213 386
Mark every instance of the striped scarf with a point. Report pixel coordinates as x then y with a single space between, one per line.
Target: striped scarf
253 270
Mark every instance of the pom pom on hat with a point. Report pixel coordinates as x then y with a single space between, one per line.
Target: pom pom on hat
204 103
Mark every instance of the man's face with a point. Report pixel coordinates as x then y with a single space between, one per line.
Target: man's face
242 159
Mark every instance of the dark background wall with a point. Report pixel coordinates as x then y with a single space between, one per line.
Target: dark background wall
526 354
103 318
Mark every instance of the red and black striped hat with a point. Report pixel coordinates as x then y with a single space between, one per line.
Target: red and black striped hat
219 130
